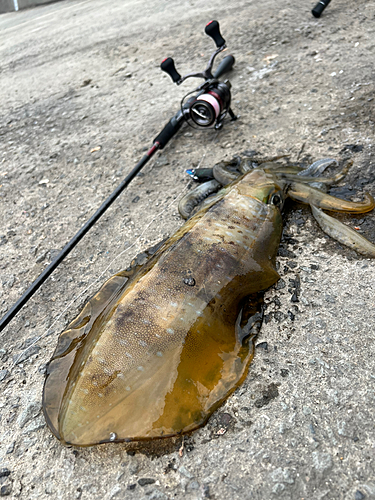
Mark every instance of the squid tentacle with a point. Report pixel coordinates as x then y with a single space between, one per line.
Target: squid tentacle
318 167
224 174
196 196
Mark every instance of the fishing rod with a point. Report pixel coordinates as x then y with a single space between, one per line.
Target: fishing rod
207 108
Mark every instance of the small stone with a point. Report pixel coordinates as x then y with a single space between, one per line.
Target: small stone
281 476
4 472
284 372
131 487
206 491
280 284
270 393
133 468
278 488
294 297
11 448
136 199
41 257
35 425
31 411
359 495
42 369
262 345
6 490
145 480
225 418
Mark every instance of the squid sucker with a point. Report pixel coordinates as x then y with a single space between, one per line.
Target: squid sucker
159 348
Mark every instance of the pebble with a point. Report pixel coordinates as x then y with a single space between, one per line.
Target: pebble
262 345
41 257
4 472
359 495
133 468
37 424
31 411
270 393
6 490
280 284
193 485
143 481
225 418
11 448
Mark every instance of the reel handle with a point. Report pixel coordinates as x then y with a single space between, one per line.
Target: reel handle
168 67
212 29
319 8
225 66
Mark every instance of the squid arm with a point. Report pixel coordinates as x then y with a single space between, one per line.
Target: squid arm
342 233
307 194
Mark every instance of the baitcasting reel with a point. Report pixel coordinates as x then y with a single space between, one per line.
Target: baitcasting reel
211 104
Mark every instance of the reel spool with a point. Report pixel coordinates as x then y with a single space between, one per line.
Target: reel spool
212 102
209 107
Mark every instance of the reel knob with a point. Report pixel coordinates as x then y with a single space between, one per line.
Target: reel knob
319 8
212 29
168 67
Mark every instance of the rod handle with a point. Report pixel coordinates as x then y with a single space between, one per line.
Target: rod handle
170 129
212 29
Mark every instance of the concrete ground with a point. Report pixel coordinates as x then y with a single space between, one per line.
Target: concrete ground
81 99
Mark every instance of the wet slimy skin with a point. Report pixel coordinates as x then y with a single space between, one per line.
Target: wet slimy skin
157 350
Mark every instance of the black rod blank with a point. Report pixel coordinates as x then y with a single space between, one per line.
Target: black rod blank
73 242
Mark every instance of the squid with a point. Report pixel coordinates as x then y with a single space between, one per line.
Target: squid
161 345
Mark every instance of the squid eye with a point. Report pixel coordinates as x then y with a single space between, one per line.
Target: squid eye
276 200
